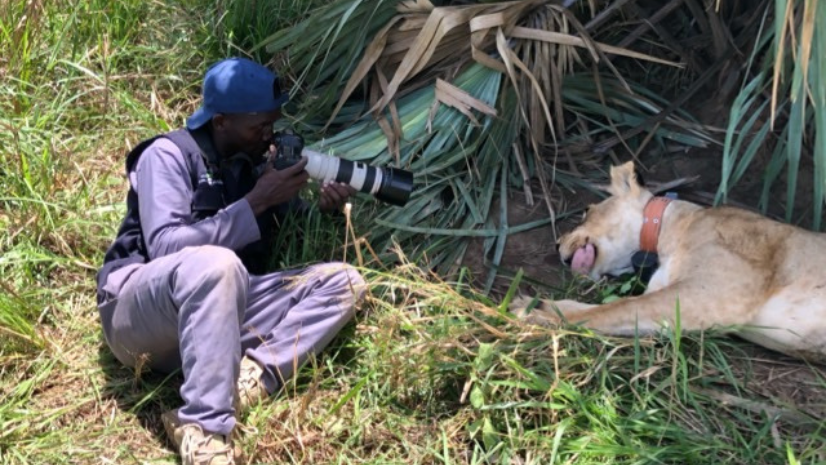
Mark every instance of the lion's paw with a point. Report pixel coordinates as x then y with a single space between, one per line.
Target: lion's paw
519 306
534 311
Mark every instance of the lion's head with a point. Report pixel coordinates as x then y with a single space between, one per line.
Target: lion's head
610 233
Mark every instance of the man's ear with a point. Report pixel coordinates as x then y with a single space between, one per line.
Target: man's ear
219 121
624 180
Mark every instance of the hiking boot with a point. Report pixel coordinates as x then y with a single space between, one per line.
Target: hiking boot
250 385
196 446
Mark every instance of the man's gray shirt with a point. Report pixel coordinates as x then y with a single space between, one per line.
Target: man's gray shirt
164 186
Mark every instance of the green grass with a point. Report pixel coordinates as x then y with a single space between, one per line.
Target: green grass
431 372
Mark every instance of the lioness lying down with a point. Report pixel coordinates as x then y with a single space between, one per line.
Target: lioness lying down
728 268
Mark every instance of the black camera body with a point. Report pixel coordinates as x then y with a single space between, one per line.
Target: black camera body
288 149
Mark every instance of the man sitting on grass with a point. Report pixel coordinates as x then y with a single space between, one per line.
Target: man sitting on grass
183 284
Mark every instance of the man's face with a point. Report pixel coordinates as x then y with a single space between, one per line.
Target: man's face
249 133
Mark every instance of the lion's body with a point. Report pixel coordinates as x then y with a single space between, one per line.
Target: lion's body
726 267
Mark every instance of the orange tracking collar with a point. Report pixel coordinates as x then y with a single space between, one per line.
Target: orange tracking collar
652 222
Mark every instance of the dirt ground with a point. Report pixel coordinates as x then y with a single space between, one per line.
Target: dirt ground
793 391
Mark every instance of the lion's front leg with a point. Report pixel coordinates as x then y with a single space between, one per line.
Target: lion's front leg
646 314
643 314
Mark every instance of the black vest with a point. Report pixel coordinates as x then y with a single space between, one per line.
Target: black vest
215 185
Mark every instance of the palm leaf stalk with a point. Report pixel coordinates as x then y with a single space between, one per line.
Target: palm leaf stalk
468 97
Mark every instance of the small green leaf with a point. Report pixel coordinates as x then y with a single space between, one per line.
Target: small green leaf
485 358
489 434
475 427
626 287
477 397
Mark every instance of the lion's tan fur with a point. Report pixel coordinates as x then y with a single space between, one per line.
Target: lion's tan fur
727 268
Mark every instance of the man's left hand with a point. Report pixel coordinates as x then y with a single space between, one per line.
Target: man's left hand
334 195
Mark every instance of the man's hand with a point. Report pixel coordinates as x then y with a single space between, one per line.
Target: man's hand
334 195
277 186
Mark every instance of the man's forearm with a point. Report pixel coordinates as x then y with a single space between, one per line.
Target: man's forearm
233 227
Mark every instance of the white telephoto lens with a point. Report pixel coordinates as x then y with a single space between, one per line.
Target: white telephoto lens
392 185
321 167
362 177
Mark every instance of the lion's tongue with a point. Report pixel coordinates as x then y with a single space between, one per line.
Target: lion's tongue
583 259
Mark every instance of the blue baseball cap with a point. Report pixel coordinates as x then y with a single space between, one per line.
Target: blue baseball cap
237 85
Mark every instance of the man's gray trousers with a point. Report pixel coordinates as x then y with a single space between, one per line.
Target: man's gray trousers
202 303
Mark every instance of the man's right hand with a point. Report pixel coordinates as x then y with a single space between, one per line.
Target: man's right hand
277 186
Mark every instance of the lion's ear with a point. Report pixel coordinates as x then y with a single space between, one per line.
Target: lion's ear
624 180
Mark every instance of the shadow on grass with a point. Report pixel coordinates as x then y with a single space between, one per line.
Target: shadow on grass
147 394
